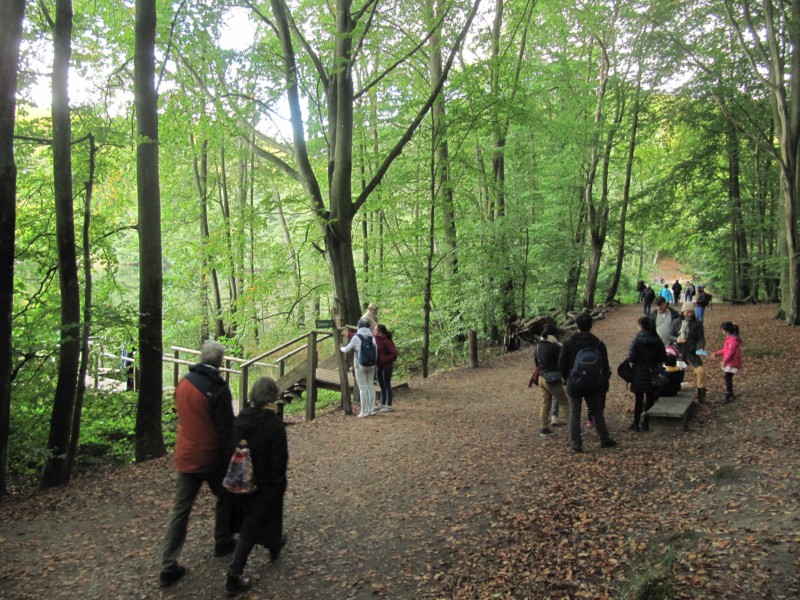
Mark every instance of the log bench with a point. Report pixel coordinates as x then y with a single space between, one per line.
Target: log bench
668 409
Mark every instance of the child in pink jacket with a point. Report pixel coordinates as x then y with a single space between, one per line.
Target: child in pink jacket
731 354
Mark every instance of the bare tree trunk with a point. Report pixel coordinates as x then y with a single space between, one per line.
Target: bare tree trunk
87 312
12 13
149 436
55 468
742 277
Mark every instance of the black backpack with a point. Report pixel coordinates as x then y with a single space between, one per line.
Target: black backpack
368 355
588 372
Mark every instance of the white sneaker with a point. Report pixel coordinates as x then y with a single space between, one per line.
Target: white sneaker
362 415
554 420
386 408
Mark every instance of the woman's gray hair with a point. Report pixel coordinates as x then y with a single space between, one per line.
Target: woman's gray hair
264 391
212 354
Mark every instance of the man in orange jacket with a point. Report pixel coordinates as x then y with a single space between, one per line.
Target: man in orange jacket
205 422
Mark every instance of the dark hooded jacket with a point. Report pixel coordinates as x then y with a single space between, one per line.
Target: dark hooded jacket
646 352
263 510
582 339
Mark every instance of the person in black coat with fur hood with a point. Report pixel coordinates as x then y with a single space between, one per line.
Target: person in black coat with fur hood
263 429
646 353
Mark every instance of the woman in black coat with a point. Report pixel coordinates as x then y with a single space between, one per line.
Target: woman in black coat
263 429
645 354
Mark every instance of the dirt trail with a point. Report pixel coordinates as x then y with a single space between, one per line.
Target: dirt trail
455 496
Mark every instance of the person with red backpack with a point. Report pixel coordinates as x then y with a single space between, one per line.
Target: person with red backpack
583 363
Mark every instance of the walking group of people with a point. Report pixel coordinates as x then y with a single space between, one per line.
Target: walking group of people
569 375
647 296
208 435
206 438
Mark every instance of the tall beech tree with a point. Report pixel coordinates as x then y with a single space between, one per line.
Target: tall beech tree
55 469
149 436
12 13
769 35
335 219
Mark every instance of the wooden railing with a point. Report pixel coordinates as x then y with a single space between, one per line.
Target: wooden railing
299 362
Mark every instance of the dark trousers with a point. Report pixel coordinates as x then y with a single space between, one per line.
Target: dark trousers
729 383
595 404
385 381
187 487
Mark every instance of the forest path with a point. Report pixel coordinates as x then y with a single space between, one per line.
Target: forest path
454 495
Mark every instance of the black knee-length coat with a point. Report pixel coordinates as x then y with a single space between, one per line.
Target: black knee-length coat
646 352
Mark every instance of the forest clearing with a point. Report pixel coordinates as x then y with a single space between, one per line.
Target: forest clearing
455 496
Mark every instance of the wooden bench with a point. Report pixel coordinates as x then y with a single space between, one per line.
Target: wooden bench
670 408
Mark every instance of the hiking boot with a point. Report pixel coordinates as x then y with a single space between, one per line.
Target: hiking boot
545 432
224 548
645 426
236 585
608 443
167 578
633 427
577 448
275 553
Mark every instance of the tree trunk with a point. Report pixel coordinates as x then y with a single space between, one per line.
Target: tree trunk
742 284
12 13
87 312
626 190
444 188
55 468
149 437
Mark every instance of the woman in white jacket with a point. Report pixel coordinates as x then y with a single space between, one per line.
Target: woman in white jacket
365 374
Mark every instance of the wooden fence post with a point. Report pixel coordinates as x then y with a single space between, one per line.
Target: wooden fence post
311 377
341 361
472 336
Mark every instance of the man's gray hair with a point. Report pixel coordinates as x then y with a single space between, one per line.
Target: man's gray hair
212 354
263 392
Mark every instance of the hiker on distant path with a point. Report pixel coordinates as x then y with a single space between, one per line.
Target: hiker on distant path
583 363
371 315
731 354
688 293
640 287
263 429
676 291
689 336
701 302
364 373
545 356
648 297
387 354
666 294
645 353
202 448
661 320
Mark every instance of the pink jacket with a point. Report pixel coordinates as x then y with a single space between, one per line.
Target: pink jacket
731 352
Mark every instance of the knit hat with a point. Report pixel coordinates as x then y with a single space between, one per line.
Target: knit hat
687 306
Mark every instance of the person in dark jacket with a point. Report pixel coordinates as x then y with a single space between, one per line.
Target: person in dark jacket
387 355
593 398
689 335
545 356
676 291
202 447
263 429
645 353
648 296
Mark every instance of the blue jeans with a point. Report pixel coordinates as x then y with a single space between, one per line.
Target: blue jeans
385 381
698 313
187 486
